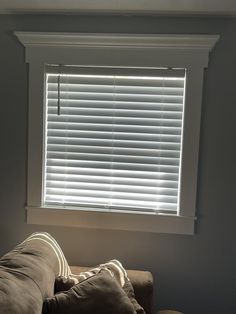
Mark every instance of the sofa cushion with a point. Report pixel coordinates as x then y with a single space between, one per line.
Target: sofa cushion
27 276
18 294
100 294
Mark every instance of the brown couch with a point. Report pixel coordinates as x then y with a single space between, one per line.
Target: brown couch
27 276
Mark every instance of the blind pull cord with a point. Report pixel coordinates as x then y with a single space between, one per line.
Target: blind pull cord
59 92
113 139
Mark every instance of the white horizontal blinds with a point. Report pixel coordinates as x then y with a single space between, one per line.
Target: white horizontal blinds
116 143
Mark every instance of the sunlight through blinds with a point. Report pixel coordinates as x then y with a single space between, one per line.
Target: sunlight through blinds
113 138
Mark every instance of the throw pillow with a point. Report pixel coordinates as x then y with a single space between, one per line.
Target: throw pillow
100 294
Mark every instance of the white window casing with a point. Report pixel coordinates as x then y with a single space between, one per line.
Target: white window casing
70 66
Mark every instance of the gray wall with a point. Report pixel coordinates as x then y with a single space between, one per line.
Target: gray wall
195 274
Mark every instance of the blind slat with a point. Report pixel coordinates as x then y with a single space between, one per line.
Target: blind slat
116 150
91 178
120 120
106 157
119 114
73 88
56 125
117 187
114 172
113 203
157 106
56 134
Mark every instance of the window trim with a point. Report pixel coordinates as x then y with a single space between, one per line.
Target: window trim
177 51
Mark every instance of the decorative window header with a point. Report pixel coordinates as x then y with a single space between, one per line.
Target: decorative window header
205 42
49 93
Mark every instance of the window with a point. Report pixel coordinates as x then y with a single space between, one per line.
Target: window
114 129
113 138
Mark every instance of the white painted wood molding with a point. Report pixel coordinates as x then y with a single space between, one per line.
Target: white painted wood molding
160 7
154 51
48 39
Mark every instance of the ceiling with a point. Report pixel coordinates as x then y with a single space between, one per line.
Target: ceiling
193 7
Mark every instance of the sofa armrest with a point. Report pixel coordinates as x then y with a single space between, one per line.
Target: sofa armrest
142 282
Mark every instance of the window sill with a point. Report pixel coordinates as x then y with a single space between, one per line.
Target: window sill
157 223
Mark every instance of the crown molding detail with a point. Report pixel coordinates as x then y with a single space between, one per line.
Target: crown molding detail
33 39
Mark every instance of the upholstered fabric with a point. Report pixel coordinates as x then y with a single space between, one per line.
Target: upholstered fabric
27 276
114 269
18 294
142 282
114 266
100 294
63 284
129 290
